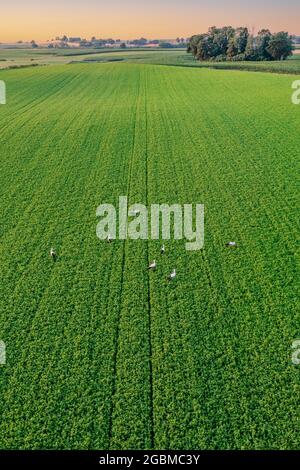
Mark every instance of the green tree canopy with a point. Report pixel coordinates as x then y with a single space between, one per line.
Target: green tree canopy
227 43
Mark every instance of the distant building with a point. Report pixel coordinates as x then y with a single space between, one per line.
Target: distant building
74 39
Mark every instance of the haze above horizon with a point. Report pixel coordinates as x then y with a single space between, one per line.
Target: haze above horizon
42 20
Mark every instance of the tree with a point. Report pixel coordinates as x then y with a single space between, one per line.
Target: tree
33 44
280 46
237 44
203 48
165 45
140 42
228 43
251 50
263 40
213 44
241 39
219 39
193 44
232 49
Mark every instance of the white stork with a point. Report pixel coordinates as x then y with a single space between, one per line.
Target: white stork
231 244
172 276
152 265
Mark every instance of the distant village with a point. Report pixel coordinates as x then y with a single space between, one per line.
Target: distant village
65 42
78 42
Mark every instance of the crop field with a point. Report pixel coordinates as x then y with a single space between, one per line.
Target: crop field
182 59
102 353
14 58
25 56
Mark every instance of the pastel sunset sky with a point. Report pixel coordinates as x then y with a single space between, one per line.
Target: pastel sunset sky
45 19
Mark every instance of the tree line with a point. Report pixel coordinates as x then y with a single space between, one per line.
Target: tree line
65 42
237 44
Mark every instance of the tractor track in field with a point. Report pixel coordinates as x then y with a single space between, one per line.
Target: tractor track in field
149 286
115 355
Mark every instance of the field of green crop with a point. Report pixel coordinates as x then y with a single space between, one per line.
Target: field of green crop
14 58
102 353
181 58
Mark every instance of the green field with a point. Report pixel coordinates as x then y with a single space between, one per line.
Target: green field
14 58
181 58
102 353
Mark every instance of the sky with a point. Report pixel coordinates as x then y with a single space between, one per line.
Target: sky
128 19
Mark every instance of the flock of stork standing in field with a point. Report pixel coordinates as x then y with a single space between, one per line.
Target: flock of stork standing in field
152 266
